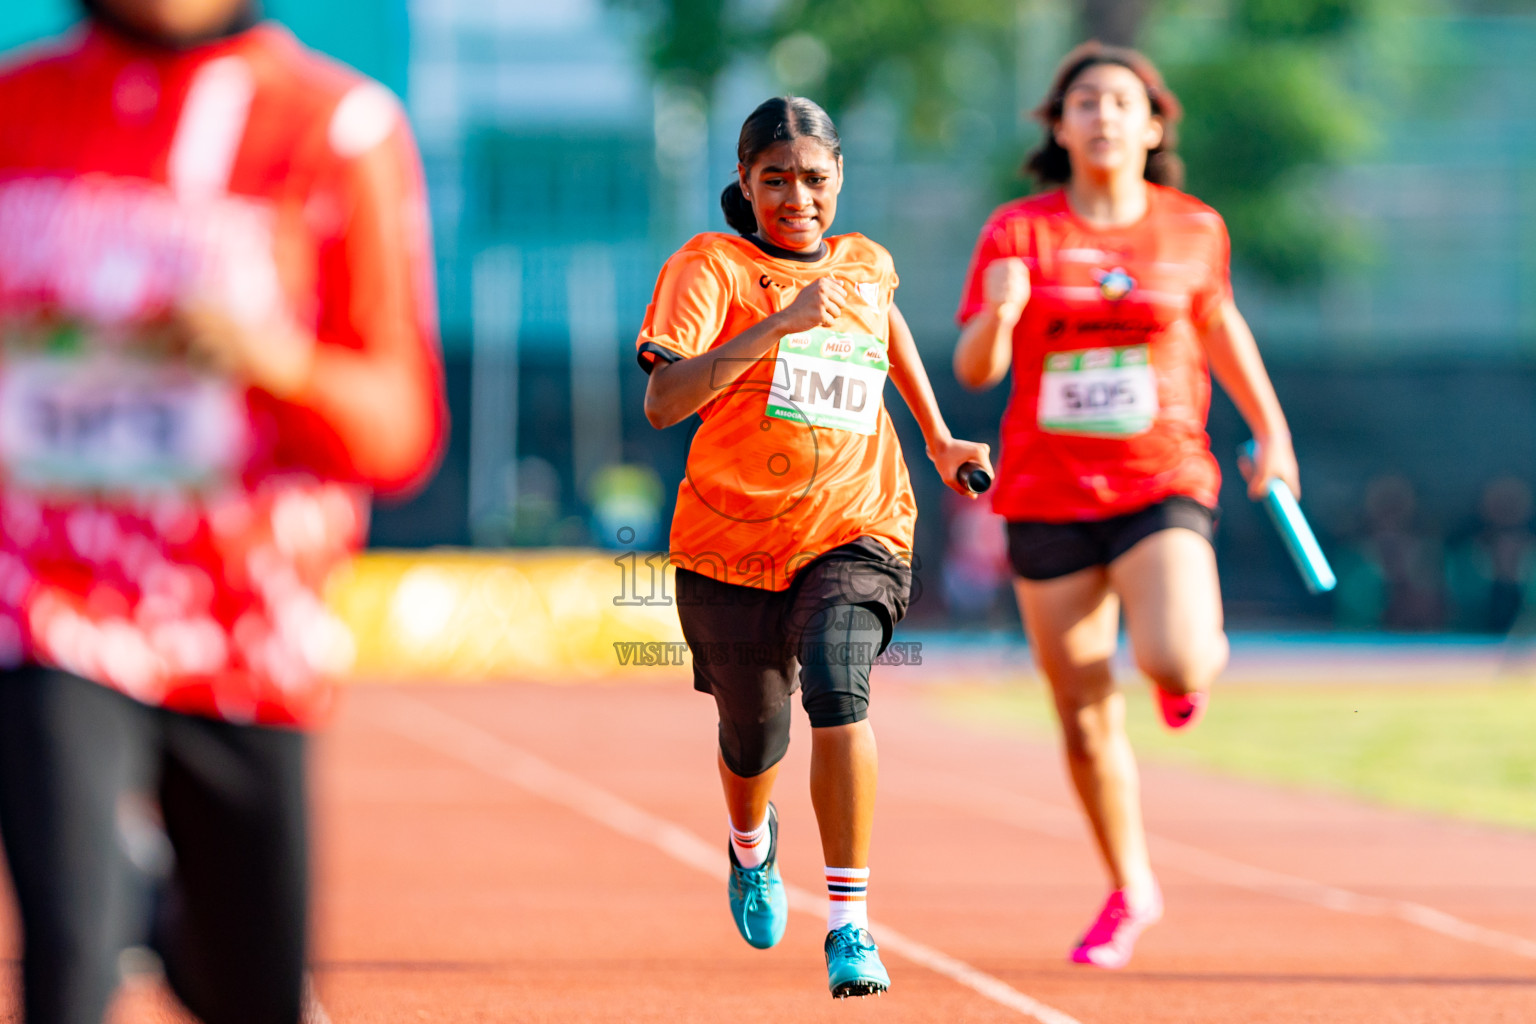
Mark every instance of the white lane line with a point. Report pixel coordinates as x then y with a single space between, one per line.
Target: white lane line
314 1012
1059 822
1239 875
472 745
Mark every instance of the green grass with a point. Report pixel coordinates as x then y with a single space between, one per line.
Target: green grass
1466 749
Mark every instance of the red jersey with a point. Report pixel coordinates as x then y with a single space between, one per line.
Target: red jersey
164 529
798 455
1110 383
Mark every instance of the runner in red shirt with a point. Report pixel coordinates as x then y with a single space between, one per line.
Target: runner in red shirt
1109 298
216 337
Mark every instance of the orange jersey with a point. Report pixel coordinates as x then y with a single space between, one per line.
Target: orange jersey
797 455
1110 384
167 530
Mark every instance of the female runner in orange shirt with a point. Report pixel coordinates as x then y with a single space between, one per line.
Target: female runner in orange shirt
794 526
1109 298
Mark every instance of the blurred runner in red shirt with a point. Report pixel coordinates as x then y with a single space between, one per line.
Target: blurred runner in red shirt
216 338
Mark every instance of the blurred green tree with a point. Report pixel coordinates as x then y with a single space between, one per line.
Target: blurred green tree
1268 108
690 41
1267 87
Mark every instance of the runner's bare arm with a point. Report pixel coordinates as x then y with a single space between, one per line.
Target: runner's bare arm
986 343
911 380
351 388
677 390
371 373
383 392
1236 364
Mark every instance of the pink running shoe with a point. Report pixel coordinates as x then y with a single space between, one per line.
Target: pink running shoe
1110 941
1181 710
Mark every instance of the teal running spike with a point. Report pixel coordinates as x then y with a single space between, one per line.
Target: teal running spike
759 904
853 964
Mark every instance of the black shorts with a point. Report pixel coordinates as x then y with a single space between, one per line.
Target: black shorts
227 911
1045 551
744 639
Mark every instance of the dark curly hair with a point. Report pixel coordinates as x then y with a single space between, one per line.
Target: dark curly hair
1049 164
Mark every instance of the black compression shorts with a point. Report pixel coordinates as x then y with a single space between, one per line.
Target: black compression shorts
753 648
1045 551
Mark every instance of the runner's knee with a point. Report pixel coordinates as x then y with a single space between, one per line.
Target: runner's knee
831 709
750 747
836 654
835 692
1185 668
1087 729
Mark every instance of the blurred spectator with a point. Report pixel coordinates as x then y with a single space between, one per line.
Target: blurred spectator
975 569
1393 576
1489 571
626 506
536 505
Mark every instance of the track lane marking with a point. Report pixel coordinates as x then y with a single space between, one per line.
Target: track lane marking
314 1011
1045 818
467 743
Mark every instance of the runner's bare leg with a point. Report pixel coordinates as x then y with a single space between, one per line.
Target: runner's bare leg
844 770
1073 623
1172 598
746 798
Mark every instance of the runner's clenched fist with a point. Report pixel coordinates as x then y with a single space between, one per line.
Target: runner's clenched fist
1005 285
819 304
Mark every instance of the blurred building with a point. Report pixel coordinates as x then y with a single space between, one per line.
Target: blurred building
536 125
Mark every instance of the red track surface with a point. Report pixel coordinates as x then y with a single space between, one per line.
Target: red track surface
449 892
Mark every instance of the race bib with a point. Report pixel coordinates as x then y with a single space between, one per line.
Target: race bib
104 422
1102 392
831 379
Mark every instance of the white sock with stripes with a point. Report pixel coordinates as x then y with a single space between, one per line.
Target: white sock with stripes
751 847
846 888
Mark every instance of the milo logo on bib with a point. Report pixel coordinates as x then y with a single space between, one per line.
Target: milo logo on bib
829 378
1103 392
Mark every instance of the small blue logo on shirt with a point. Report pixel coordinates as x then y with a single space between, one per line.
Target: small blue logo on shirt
1114 284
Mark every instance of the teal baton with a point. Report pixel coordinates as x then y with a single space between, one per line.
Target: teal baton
1296 532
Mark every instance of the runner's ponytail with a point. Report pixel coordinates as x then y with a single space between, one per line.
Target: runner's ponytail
738 210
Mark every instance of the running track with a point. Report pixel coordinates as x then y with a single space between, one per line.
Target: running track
554 854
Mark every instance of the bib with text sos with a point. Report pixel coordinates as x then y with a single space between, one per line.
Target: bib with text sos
829 378
1099 392
107 422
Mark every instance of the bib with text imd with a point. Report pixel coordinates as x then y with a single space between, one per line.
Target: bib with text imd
829 378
